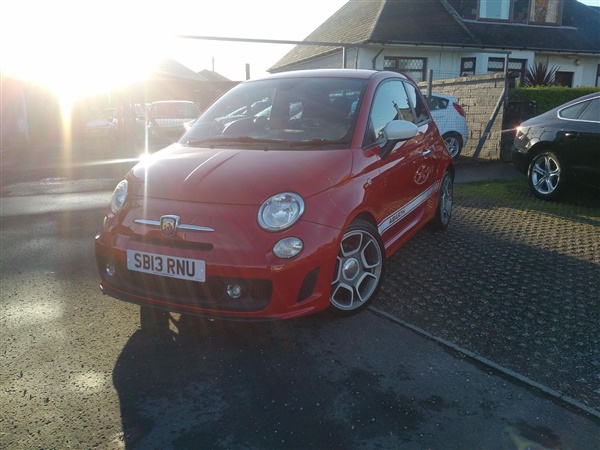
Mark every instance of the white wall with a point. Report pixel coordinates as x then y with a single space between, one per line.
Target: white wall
446 63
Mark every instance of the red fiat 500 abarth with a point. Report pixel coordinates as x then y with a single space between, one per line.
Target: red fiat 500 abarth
284 198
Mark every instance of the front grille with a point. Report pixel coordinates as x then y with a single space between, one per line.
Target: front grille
172 243
208 295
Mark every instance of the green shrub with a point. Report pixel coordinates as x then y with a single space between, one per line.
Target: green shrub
548 97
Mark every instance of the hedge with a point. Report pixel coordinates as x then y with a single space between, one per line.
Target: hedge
548 97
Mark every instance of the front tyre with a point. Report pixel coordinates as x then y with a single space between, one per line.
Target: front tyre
547 179
359 269
443 213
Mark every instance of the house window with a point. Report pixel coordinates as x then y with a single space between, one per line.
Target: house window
415 68
494 9
520 11
514 65
495 65
563 79
545 11
467 66
598 75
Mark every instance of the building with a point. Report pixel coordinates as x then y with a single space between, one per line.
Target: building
454 38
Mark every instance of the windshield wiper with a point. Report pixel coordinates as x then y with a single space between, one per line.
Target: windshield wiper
313 143
233 140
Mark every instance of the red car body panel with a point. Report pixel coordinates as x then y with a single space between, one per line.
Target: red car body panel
214 176
222 189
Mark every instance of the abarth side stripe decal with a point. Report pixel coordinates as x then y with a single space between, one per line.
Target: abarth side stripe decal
405 210
181 226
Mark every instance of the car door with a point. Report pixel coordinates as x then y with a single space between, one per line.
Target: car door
405 179
431 147
582 137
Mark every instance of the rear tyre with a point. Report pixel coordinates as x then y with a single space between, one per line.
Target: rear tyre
359 269
154 321
443 213
454 143
547 177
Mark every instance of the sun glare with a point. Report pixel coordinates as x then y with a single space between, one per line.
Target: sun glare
75 49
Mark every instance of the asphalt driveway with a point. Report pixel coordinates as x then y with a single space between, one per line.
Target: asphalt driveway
512 283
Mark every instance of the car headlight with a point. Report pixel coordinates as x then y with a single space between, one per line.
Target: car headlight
280 211
118 197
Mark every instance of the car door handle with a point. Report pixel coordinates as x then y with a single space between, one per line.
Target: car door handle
572 135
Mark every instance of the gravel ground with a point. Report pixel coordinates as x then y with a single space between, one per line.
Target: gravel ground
514 280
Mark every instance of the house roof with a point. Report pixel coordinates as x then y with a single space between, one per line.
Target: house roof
169 68
436 23
212 76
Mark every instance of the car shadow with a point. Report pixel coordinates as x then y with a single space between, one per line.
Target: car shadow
218 384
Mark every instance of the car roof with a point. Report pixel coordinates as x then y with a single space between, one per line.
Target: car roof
344 73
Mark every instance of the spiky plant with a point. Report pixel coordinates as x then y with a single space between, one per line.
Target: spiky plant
540 75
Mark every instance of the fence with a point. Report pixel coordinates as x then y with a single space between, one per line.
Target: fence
479 96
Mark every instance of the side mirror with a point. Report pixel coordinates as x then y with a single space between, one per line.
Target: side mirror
400 130
394 131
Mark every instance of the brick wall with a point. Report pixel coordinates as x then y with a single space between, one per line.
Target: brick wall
478 95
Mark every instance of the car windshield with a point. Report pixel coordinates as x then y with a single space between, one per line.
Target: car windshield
174 110
281 113
106 114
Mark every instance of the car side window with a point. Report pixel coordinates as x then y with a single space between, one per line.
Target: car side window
390 103
592 112
421 113
572 112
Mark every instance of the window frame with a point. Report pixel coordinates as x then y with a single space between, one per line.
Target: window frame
468 72
409 72
482 9
370 137
520 61
559 7
517 7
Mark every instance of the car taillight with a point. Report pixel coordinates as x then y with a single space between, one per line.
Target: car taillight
459 109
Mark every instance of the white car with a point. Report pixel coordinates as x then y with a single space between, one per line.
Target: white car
451 121
104 125
167 119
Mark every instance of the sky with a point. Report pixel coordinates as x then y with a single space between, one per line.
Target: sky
61 43
73 46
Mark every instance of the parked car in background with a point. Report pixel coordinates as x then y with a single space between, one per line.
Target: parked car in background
103 127
451 120
282 212
560 147
167 119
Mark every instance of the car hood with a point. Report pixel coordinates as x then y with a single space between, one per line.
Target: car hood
98 123
173 122
241 177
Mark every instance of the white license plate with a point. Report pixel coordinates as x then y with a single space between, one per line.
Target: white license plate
167 266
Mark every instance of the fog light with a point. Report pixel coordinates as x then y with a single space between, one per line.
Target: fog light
288 247
110 269
234 290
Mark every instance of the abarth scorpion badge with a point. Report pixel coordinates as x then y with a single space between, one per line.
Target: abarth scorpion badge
168 225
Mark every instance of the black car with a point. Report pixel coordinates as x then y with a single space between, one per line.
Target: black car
560 147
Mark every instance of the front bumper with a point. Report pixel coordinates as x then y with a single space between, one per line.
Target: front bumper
519 156
236 254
